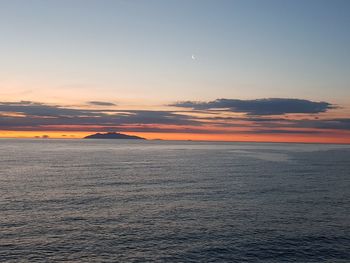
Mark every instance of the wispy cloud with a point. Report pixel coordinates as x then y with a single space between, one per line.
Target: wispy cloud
101 103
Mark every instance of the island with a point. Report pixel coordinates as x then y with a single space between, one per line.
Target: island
113 135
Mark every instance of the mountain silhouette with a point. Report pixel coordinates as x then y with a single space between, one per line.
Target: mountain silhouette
113 135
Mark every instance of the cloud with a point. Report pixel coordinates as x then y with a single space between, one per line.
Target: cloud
336 124
101 103
270 106
288 131
40 109
36 116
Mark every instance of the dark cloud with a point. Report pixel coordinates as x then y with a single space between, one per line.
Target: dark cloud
101 103
271 106
34 116
288 131
39 109
337 124
37 116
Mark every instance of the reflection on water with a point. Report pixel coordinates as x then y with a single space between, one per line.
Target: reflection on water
159 201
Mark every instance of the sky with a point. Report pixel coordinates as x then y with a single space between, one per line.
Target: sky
246 70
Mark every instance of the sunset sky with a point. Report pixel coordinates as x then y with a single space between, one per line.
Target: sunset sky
235 70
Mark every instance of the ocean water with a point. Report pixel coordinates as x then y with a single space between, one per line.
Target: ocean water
161 201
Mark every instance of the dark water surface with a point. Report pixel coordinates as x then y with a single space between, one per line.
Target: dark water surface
159 201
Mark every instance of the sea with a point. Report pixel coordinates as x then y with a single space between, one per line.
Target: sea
173 201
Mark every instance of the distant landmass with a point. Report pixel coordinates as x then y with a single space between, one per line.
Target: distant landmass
113 135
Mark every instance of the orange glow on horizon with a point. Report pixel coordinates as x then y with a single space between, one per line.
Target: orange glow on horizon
340 137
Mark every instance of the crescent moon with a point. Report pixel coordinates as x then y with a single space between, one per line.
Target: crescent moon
193 57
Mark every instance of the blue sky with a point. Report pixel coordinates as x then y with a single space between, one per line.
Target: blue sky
142 50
